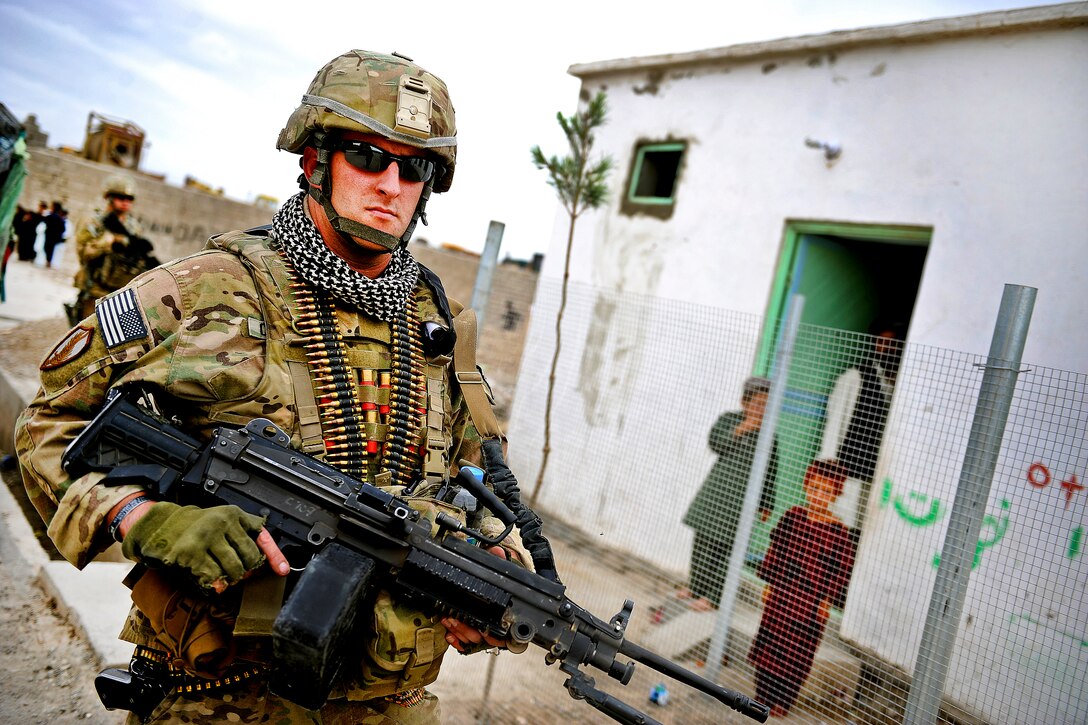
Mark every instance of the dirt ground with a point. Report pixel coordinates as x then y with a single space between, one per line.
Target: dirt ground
25 345
48 667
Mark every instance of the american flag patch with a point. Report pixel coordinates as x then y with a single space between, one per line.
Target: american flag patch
119 318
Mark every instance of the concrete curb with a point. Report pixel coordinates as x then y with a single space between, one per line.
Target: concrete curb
93 600
15 395
30 551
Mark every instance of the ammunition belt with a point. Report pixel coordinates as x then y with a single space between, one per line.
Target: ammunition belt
178 681
408 397
338 401
344 417
408 698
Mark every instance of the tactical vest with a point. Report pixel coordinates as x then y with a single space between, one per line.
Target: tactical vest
368 362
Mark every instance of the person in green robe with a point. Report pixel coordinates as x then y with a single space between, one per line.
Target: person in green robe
715 511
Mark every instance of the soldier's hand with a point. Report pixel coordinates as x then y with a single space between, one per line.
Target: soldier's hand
463 637
120 244
138 246
217 546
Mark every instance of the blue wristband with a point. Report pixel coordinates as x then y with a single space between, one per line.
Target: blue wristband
115 525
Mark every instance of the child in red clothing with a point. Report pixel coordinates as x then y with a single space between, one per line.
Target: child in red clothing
806 569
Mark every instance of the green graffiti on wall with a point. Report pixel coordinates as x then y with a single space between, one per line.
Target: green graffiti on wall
918 509
1074 543
929 509
997 529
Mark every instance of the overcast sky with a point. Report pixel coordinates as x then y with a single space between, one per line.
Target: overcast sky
211 82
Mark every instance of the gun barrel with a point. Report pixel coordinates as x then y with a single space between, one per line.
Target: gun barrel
741 703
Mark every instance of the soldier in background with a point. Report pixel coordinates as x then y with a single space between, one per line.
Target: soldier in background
323 323
112 250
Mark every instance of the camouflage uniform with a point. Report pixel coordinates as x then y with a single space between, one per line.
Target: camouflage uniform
221 343
101 269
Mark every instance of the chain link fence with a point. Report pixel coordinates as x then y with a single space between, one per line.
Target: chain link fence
658 409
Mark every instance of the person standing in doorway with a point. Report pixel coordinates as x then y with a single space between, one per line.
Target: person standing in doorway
857 411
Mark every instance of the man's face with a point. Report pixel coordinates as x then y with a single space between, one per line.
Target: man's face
755 405
887 350
885 343
120 205
381 199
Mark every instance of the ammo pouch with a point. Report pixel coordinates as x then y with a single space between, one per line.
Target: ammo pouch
404 646
403 651
194 629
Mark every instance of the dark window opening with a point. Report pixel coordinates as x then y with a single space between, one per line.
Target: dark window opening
656 169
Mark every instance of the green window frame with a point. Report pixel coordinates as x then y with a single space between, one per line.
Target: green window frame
657 168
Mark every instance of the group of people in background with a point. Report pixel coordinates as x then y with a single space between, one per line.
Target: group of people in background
49 223
806 568
111 247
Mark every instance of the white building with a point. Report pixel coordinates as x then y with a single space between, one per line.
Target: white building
907 171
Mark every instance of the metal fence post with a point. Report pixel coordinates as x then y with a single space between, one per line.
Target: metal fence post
760 460
480 294
965 520
481 291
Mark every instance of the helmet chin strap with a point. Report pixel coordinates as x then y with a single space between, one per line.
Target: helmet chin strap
319 186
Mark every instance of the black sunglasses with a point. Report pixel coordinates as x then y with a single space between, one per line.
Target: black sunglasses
123 197
367 157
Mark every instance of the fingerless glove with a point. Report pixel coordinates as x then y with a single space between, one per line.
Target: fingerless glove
212 544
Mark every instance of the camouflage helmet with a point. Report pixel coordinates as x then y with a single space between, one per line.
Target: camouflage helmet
120 186
388 95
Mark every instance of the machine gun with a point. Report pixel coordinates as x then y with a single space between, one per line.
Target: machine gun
137 251
350 536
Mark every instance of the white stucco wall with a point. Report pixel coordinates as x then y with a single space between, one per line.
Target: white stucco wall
1020 653
982 137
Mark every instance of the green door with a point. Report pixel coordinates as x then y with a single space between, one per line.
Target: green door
840 295
848 279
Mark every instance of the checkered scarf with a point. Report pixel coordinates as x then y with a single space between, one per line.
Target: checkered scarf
382 298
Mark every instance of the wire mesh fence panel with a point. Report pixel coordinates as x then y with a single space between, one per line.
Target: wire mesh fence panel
655 419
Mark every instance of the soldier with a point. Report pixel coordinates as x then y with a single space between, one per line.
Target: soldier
323 323
112 249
